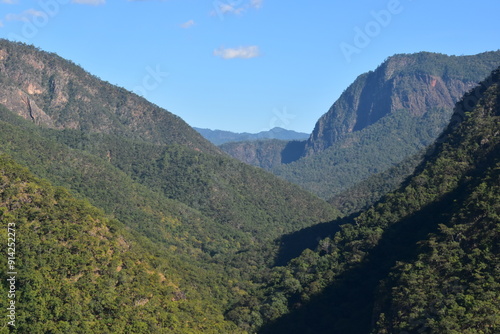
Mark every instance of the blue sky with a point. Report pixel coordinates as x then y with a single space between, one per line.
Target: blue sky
246 65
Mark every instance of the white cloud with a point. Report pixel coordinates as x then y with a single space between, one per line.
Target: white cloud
234 7
90 2
1 24
188 24
10 2
24 16
225 8
256 3
245 52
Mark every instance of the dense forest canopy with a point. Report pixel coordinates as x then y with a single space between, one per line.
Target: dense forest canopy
127 221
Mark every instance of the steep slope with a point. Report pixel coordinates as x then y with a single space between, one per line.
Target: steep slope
424 259
415 83
261 153
384 117
76 271
212 218
56 93
153 147
369 191
219 137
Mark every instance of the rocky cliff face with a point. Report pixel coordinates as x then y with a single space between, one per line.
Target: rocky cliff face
56 93
415 83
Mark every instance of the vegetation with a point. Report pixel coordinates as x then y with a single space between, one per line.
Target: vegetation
142 226
62 95
364 153
369 191
210 220
79 272
383 118
265 154
424 259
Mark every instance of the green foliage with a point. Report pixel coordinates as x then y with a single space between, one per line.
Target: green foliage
79 272
205 219
384 117
66 96
368 192
266 154
425 258
364 153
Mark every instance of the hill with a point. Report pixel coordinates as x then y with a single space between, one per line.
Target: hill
384 117
77 271
56 93
219 137
210 218
425 258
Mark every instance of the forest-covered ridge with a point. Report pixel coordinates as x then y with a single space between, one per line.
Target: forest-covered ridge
423 259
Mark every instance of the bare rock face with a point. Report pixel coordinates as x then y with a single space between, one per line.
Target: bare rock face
56 93
415 83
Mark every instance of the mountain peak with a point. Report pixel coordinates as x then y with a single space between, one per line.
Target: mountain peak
56 93
416 83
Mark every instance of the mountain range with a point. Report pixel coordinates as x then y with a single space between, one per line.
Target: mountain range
127 220
219 137
382 118
203 218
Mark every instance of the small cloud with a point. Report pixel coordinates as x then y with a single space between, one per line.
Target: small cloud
234 7
225 8
90 2
244 52
24 16
1 24
10 2
188 24
257 4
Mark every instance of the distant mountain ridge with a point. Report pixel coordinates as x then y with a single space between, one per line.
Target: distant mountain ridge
219 137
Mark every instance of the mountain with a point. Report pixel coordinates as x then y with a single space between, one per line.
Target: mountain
128 220
77 271
206 220
414 83
55 93
385 116
425 259
261 153
219 137
371 190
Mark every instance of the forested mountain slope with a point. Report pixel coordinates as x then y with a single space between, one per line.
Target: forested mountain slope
80 272
424 259
210 218
56 93
416 83
384 117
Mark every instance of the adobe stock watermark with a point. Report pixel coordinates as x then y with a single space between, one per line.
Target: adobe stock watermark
151 81
36 19
281 118
364 35
11 274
